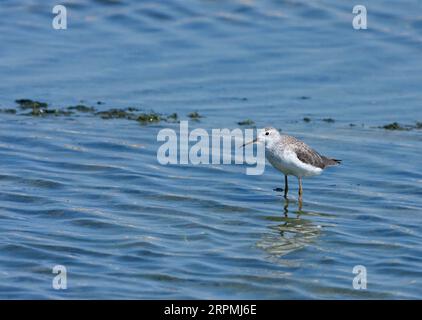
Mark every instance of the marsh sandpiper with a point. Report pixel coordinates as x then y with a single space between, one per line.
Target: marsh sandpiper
292 157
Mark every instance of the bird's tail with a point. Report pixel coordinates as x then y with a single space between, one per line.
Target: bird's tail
331 162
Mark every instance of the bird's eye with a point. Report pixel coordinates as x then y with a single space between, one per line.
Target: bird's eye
267 133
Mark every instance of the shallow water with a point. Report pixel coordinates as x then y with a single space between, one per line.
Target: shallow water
89 194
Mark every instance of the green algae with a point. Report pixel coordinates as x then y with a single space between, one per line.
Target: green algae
41 109
394 126
81 108
116 114
31 104
46 112
38 108
173 118
151 117
247 122
132 109
9 111
195 115
399 127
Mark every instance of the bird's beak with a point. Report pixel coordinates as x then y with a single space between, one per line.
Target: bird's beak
253 141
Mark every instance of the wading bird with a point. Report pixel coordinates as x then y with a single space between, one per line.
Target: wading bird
292 157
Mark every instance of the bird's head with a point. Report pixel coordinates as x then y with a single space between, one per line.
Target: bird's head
266 136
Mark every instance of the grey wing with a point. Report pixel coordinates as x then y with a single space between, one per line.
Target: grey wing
310 156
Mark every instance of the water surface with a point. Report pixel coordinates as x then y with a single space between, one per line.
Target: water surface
89 194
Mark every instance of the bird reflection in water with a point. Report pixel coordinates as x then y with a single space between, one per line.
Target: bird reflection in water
292 232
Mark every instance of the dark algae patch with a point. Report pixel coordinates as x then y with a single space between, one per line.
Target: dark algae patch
116 114
81 108
31 104
9 111
54 112
151 117
397 126
393 126
173 117
194 115
247 122
36 108
46 112
133 109
132 113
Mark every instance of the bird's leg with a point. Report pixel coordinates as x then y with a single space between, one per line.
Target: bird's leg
286 208
300 189
286 186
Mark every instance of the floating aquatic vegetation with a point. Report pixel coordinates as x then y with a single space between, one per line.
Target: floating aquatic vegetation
40 108
37 109
247 122
81 108
10 111
116 114
45 112
31 104
399 127
173 117
194 115
132 109
394 126
149 117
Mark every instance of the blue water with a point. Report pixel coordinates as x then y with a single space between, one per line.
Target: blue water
89 193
